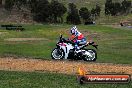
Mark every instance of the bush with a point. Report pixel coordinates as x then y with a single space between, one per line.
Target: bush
73 16
57 11
85 14
41 11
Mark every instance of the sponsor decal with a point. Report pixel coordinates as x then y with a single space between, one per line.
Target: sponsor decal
102 78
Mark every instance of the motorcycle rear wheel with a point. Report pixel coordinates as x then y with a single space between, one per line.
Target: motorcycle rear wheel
92 56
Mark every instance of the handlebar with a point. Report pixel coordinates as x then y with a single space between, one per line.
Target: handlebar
93 44
67 41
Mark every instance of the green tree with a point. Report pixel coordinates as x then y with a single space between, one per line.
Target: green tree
95 12
108 7
98 10
0 2
57 11
73 15
41 11
112 8
19 3
32 5
126 6
116 9
9 4
85 14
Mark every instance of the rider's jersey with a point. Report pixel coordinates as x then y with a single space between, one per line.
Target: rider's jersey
77 37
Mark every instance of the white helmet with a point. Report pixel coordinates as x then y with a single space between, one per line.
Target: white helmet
74 30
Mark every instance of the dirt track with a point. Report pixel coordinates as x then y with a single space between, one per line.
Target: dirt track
66 67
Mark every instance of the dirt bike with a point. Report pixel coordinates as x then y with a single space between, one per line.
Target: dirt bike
65 50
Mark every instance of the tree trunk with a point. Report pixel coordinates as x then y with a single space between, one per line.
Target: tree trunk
0 2
61 19
55 19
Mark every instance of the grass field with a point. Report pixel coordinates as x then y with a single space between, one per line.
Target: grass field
47 80
114 43
114 47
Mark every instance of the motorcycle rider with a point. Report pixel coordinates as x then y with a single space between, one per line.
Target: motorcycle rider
77 37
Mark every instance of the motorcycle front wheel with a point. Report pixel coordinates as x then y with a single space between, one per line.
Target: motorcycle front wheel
57 54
